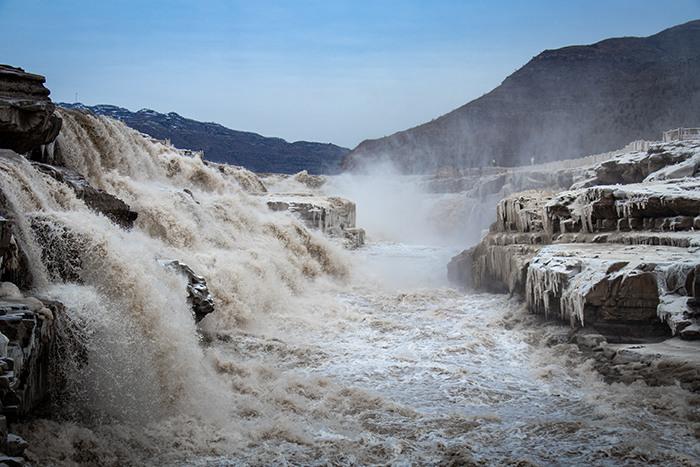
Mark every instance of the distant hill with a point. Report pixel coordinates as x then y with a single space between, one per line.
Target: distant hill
221 144
562 104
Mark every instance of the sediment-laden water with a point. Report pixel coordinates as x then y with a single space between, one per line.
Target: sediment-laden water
315 355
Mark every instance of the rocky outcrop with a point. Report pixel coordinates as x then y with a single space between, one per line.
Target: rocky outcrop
198 294
27 325
28 336
664 161
313 182
27 119
97 200
28 367
331 215
621 261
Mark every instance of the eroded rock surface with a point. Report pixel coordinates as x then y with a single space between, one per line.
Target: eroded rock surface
98 200
621 260
198 294
333 216
27 118
27 338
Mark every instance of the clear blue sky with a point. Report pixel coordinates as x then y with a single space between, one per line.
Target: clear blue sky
338 71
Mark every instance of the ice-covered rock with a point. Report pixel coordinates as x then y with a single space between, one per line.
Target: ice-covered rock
28 367
676 159
333 216
618 258
354 237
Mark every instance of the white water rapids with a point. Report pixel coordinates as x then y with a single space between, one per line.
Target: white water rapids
315 355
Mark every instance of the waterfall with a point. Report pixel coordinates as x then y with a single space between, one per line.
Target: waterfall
144 354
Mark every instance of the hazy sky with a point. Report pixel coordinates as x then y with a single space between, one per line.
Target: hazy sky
338 71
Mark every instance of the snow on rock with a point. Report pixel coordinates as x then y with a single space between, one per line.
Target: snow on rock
618 253
676 159
331 215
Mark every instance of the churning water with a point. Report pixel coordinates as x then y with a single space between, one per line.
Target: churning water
315 356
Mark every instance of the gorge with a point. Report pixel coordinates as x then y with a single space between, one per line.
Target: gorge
159 308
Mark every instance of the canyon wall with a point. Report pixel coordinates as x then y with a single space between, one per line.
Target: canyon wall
617 255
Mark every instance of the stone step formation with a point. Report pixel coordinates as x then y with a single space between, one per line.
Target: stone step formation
616 255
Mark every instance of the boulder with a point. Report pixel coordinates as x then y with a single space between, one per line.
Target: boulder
97 200
311 181
27 118
198 294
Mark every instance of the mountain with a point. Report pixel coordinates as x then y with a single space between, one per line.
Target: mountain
562 104
221 144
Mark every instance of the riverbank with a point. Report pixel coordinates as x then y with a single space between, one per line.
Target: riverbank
616 256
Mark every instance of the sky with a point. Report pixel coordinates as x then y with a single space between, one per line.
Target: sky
330 71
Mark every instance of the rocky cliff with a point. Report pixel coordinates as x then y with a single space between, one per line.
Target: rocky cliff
27 118
617 255
220 144
29 326
562 104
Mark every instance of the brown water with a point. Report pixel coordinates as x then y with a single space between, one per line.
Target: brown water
315 355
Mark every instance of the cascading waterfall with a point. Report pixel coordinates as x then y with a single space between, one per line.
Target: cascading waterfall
144 356
314 355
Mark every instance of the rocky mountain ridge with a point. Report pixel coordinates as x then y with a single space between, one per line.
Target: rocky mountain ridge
562 104
224 145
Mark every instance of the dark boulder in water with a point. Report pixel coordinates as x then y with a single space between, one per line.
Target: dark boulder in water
198 293
97 200
27 118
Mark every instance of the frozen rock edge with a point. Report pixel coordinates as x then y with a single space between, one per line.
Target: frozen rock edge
617 256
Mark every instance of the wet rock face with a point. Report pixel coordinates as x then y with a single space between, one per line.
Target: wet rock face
28 335
28 327
198 294
460 269
620 258
333 216
98 200
27 118
14 266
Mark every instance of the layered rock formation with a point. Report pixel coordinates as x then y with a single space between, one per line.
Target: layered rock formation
619 260
563 103
333 216
98 200
28 340
27 118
